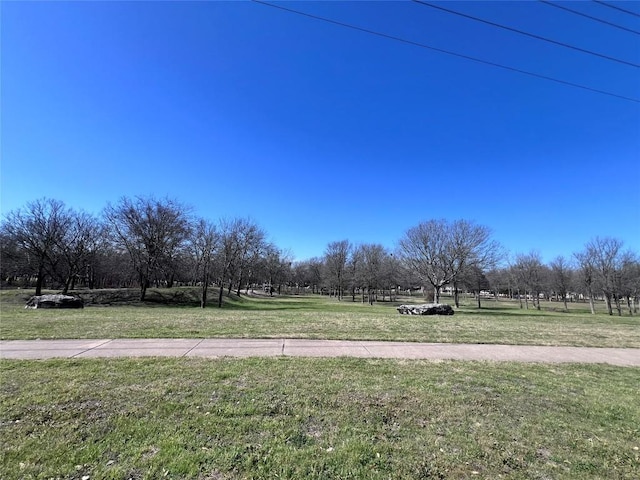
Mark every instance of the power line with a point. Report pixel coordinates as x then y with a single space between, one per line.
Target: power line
448 52
521 32
551 4
617 8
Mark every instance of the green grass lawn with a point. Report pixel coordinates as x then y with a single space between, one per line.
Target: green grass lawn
173 313
317 418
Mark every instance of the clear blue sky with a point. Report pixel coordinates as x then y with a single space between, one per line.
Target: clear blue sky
319 132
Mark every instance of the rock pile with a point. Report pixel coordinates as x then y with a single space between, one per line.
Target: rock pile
54 301
426 309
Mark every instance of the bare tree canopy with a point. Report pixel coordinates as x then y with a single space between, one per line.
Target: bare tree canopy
440 251
204 244
528 270
561 278
336 256
39 230
144 241
241 243
152 232
602 262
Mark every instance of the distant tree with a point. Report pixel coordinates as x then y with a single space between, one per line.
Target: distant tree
373 268
37 231
561 277
605 257
501 282
439 252
470 248
355 272
425 250
476 281
336 256
204 244
13 264
152 232
308 273
76 252
630 281
587 276
241 242
251 247
276 267
392 274
529 271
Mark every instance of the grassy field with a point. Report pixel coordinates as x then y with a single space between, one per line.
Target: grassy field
312 418
296 418
174 314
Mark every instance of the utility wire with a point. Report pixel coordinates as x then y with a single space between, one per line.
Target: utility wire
551 4
521 32
440 50
617 8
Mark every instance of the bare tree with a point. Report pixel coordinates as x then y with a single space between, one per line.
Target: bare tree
440 252
425 250
204 245
630 281
308 273
276 267
529 270
605 255
561 278
354 272
151 231
252 245
475 279
587 276
373 268
241 241
38 230
335 260
470 247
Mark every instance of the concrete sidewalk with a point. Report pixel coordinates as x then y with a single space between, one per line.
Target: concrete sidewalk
226 347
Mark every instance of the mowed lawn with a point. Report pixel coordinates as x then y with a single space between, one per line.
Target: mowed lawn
298 418
295 418
319 317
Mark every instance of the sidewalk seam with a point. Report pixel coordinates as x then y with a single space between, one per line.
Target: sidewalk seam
92 348
192 348
364 345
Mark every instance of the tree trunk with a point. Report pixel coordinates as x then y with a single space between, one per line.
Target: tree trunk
221 289
205 287
591 304
203 297
239 285
478 297
456 299
607 301
564 299
40 279
520 299
616 298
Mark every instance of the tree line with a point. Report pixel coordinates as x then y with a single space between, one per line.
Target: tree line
145 241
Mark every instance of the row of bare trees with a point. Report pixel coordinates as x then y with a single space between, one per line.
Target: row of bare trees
137 241
603 269
144 241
